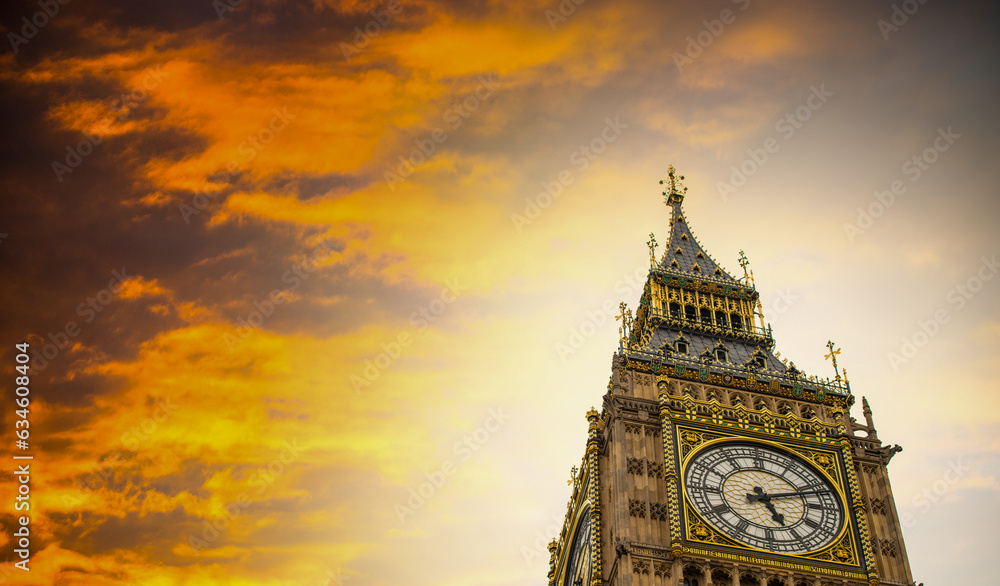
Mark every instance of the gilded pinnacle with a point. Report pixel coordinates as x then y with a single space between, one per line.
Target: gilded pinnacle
744 261
833 355
676 190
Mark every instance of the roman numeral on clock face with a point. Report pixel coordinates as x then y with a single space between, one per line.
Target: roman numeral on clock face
718 479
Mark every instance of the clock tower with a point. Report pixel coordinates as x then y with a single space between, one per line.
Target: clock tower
713 461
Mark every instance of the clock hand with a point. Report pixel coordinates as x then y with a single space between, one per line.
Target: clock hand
766 499
786 494
760 496
774 513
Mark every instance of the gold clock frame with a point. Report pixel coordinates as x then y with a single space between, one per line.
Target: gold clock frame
584 505
842 551
586 495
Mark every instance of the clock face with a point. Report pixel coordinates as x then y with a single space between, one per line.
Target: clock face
578 565
764 497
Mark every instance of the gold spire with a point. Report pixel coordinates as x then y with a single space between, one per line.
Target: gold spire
676 190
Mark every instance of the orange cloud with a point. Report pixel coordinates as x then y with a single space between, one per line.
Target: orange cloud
137 287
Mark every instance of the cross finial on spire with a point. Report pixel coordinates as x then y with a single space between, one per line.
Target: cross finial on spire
652 248
573 480
833 354
626 328
677 190
748 277
744 262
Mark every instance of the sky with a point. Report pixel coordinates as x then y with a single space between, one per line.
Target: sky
320 292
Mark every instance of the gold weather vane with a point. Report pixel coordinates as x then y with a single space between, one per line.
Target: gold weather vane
833 354
748 278
744 262
652 249
626 318
676 187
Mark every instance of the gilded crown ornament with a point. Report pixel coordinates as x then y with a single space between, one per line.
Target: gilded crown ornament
676 190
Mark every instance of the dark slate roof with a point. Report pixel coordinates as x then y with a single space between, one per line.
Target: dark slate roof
691 253
659 333
739 353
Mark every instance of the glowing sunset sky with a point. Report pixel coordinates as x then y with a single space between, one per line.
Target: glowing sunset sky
286 265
